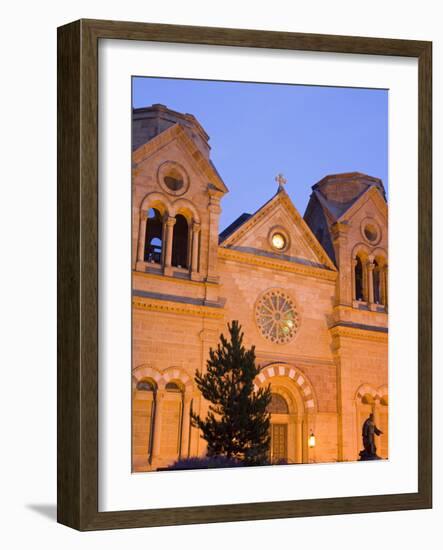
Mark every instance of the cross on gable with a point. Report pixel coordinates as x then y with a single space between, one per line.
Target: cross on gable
281 180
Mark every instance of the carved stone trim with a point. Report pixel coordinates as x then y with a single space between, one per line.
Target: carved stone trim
161 276
164 306
275 264
162 378
359 334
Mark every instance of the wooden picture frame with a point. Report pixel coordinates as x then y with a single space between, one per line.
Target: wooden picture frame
78 274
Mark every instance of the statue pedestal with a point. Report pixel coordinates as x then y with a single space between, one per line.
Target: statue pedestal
364 455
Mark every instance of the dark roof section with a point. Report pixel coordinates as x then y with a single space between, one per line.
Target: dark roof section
338 192
233 226
331 197
245 217
149 122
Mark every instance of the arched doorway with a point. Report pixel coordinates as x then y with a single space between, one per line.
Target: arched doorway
293 412
288 422
279 409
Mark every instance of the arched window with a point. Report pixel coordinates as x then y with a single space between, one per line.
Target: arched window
172 422
172 386
180 242
278 405
143 415
145 385
376 280
359 289
154 237
368 399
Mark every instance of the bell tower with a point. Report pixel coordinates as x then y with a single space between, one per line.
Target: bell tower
348 215
176 196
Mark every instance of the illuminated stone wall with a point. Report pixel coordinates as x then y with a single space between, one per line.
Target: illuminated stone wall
328 363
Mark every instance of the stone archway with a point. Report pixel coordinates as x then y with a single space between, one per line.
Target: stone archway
293 412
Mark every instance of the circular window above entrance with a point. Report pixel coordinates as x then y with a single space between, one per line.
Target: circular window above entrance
276 316
278 239
173 178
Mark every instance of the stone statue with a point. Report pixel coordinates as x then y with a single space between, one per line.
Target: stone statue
369 430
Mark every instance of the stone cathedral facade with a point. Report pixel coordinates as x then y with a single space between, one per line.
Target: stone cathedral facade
310 292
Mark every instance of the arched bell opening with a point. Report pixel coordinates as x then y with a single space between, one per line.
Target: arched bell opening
154 237
358 277
180 242
377 283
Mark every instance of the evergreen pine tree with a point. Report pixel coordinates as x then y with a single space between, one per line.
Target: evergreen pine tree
237 424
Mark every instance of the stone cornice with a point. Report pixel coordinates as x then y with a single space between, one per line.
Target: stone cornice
266 358
273 263
177 308
354 333
169 279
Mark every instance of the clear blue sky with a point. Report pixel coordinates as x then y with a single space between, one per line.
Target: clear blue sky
259 130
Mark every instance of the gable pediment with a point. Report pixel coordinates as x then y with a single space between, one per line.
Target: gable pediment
175 143
279 216
371 203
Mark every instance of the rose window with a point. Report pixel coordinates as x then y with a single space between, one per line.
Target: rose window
276 316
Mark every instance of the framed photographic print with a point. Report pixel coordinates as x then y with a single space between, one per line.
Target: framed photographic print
244 275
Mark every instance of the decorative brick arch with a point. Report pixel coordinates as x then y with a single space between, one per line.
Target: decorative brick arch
382 391
186 208
145 371
380 252
172 374
300 380
162 378
155 199
360 248
365 389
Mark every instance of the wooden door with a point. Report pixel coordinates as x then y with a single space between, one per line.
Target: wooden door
279 441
